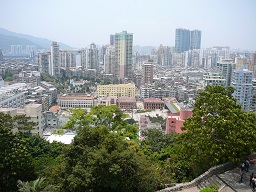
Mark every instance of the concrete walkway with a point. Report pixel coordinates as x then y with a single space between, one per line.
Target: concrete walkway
228 181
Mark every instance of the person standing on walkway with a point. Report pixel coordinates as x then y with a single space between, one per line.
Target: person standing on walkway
251 177
247 165
254 183
242 172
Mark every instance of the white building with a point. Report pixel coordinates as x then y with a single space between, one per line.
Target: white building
76 101
13 96
214 79
67 59
55 60
242 82
226 68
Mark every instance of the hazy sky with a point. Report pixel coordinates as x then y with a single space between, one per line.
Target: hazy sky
152 22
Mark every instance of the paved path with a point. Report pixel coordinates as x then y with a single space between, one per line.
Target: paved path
230 181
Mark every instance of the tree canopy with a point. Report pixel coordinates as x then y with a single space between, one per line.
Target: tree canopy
15 161
219 130
101 158
110 116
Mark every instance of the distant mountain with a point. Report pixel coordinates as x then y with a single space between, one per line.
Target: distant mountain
13 38
7 41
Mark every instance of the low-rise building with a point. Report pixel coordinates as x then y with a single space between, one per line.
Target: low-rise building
107 101
51 117
33 113
153 103
145 124
76 101
118 90
127 103
174 122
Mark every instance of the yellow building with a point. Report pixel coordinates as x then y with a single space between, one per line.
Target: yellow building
118 90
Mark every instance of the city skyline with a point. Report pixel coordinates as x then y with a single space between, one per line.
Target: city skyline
79 23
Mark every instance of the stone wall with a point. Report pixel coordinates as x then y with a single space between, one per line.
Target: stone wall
212 171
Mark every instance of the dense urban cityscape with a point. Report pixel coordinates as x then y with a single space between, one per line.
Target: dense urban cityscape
164 80
143 96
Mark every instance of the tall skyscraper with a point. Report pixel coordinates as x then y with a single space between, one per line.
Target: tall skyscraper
182 40
1 56
90 57
252 66
55 59
226 68
123 52
67 59
112 39
187 40
110 60
242 82
44 60
148 72
195 39
93 57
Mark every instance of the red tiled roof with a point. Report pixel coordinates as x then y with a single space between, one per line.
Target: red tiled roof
54 108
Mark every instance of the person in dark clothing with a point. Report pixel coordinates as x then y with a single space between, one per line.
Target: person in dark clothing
247 165
253 183
251 177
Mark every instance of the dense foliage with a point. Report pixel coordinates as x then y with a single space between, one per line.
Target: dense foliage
15 160
219 131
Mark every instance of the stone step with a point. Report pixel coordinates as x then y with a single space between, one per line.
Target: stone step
213 180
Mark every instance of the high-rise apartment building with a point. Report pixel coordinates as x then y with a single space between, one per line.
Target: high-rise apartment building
186 40
90 57
123 52
1 56
226 68
110 60
148 72
195 39
253 100
67 59
242 82
55 60
44 60
13 96
93 57
252 66
182 40
112 39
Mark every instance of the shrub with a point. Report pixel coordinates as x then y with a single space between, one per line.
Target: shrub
207 190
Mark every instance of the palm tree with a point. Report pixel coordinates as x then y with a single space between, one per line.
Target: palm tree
38 185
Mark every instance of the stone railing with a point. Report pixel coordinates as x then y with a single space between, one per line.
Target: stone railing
212 171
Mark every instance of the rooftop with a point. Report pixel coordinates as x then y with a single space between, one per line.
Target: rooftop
54 108
153 100
76 97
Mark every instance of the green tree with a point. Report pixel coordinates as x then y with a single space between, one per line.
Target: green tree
43 153
47 77
219 130
100 160
15 161
109 116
